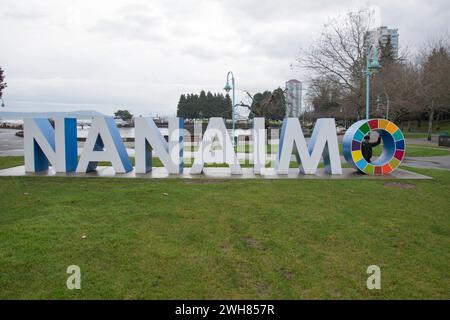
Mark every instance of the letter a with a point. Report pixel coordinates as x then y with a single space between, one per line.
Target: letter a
104 143
216 129
374 281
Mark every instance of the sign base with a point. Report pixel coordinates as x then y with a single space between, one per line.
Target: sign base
215 173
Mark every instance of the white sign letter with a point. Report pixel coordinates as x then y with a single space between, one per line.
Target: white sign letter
216 128
323 143
42 145
259 145
104 143
149 137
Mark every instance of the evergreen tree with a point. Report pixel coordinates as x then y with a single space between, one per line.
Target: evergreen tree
189 106
270 105
211 106
277 107
181 109
202 105
206 105
195 106
186 107
125 115
227 107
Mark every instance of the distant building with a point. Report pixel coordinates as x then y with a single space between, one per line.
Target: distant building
293 98
382 35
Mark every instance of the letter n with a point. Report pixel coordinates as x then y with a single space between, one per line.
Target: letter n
149 138
44 144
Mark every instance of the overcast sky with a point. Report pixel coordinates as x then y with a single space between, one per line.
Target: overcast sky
61 55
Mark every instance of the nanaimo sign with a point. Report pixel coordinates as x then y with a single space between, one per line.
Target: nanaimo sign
57 145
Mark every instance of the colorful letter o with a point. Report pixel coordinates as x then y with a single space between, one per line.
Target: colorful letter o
393 146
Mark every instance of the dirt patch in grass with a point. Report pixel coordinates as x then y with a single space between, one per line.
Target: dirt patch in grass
400 185
287 274
226 247
253 243
262 289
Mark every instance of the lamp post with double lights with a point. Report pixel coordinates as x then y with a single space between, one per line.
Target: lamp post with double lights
387 104
372 67
227 89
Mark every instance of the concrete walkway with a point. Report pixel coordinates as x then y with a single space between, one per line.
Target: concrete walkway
442 162
424 141
10 144
218 173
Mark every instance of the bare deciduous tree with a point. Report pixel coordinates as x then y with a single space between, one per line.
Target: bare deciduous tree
2 82
339 54
399 84
435 79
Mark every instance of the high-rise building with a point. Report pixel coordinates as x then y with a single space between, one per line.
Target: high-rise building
383 35
293 98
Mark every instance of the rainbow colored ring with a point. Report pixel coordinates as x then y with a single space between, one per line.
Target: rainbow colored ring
393 146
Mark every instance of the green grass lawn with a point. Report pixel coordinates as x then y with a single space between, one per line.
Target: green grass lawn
444 126
415 150
8 162
415 135
187 239
421 132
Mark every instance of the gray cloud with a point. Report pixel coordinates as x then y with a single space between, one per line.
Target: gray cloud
23 15
132 22
143 55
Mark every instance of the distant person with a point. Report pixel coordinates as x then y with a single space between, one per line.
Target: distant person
367 147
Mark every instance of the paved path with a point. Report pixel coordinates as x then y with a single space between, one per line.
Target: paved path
442 162
10 144
424 141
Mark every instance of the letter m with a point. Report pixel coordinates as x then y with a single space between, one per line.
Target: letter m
323 144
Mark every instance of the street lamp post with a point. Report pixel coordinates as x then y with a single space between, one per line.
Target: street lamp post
227 89
372 67
387 104
387 107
